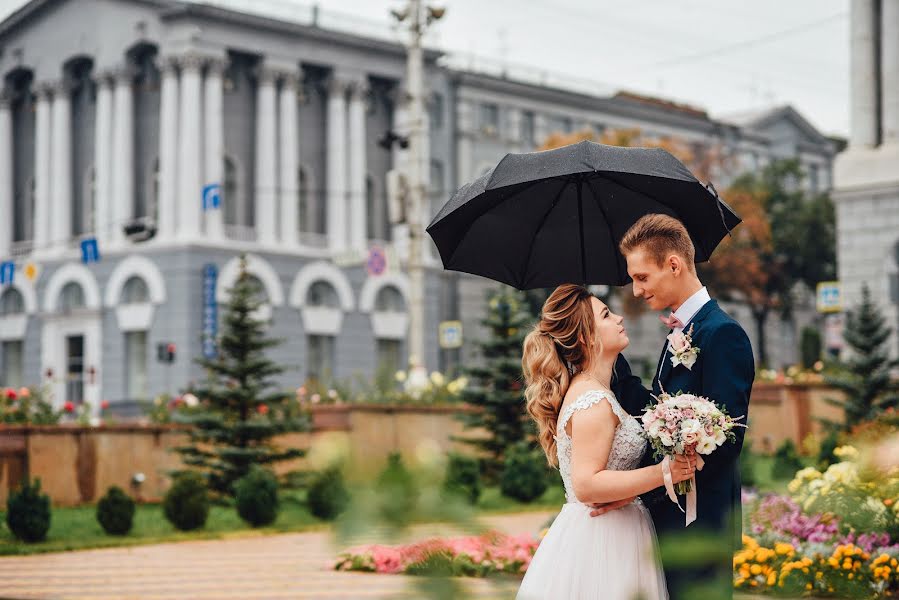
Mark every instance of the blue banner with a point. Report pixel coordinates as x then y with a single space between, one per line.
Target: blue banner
212 196
210 310
7 272
89 251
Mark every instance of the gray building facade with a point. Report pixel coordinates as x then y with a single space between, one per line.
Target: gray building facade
117 112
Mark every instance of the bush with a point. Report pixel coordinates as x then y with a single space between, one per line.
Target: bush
397 490
786 461
115 511
256 495
748 465
810 346
327 496
826 456
525 476
28 513
186 505
463 477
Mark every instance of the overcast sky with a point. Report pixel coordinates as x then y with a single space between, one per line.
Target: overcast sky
726 56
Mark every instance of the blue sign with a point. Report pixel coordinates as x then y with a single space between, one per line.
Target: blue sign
7 271
210 310
89 251
212 196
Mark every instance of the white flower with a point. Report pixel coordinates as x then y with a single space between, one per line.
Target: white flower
720 437
688 360
437 378
190 399
400 376
706 446
665 438
679 342
690 426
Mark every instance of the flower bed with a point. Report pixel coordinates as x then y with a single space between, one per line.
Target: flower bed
473 556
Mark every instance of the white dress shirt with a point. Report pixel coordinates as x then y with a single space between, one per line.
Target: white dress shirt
692 306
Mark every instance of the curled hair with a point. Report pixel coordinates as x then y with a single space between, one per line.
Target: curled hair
563 337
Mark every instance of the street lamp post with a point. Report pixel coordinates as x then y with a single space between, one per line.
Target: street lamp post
417 18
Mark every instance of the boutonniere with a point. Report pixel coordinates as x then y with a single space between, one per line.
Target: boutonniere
680 345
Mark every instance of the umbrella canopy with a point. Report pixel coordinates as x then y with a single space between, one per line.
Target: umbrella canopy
541 219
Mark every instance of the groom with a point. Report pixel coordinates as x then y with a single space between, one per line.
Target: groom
660 260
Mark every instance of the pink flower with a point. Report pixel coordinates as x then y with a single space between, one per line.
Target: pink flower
11 394
69 407
678 342
24 392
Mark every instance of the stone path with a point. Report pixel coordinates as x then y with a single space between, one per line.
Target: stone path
275 566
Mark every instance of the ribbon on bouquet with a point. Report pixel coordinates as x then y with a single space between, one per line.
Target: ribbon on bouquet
691 495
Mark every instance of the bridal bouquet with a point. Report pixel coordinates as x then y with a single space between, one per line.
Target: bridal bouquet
679 423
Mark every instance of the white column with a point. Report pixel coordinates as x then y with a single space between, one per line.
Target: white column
357 167
122 200
215 145
42 176
863 82
103 158
889 61
168 151
190 168
336 209
7 212
61 222
288 137
266 165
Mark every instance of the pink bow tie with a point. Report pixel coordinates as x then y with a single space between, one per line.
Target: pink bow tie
672 322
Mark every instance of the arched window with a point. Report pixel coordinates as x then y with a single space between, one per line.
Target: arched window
135 291
322 294
11 303
389 299
71 297
229 191
258 287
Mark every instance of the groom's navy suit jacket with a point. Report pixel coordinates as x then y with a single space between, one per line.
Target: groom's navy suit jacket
723 372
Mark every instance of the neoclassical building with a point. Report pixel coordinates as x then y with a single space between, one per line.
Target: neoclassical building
866 175
224 133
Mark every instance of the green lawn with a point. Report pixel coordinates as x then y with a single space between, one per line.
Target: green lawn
76 528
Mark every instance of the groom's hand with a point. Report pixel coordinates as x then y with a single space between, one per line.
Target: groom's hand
601 509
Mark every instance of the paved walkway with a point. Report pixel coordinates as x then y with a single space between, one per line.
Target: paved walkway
276 566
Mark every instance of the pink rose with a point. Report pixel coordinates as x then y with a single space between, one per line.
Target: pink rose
678 342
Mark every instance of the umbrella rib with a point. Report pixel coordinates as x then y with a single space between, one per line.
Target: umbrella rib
605 216
545 216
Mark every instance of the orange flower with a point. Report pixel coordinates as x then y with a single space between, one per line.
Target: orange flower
262 409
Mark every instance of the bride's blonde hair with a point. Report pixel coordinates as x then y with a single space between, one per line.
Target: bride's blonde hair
562 339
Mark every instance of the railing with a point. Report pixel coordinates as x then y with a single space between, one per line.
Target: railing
21 248
240 233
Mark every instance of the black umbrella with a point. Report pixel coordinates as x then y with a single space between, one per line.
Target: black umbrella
541 219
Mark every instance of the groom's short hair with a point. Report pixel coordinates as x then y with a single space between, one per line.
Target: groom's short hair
660 236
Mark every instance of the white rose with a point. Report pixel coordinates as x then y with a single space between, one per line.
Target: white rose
655 427
688 360
665 438
678 342
690 426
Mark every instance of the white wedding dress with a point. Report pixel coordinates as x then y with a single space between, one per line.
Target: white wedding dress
610 557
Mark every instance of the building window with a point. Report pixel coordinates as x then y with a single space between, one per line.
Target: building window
436 106
71 297
371 209
12 374
389 299
11 303
490 118
304 212
320 362
322 294
229 191
136 365
258 288
528 127
389 353
437 186
135 291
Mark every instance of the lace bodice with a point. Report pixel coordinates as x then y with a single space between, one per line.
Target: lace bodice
628 444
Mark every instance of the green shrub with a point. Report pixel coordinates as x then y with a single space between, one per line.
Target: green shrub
786 461
810 346
748 465
525 475
186 505
327 495
826 456
256 495
463 477
115 511
397 490
28 513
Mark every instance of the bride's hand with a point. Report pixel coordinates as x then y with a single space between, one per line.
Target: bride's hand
683 467
601 509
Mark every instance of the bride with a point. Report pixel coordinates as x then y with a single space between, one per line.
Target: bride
568 361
